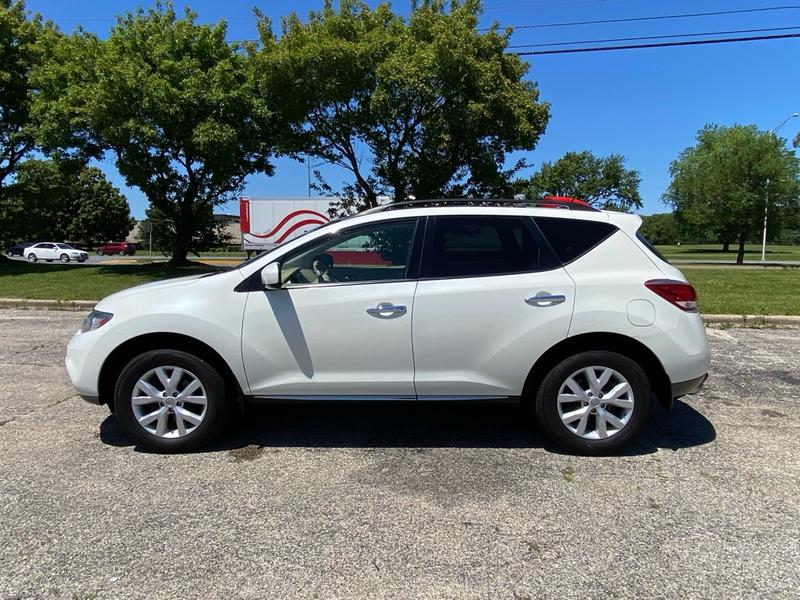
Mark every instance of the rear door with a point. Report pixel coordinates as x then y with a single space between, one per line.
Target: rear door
46 251
491 299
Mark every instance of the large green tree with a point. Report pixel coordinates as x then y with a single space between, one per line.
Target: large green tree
721 186
63 200
601 181
660 229
23 40
173 101
425 105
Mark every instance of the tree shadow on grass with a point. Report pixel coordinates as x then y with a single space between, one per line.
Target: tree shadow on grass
424 425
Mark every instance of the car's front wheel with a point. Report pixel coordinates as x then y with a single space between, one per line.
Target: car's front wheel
594 402
64 258
171 401
32 257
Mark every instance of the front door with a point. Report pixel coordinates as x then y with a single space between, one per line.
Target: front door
340 325
491 299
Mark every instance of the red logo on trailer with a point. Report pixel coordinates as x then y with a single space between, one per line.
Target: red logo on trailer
288 225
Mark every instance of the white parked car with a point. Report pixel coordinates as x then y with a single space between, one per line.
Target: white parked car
51 251
568 311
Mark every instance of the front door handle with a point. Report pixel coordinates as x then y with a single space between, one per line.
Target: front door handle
386 309
545 299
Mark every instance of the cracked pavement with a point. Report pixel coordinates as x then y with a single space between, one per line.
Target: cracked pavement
401 501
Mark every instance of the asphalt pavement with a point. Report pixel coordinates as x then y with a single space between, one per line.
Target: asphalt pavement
401 501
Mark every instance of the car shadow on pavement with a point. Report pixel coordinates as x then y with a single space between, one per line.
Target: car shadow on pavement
408 425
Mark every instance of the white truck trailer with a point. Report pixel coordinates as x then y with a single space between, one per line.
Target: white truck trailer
267 222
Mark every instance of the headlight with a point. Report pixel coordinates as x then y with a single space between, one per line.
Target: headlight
95 320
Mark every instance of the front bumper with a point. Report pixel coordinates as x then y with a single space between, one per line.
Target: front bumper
685 388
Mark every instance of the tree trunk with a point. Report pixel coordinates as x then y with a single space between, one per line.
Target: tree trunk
179 253
726 246
740 255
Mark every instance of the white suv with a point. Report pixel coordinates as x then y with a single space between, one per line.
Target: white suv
568 311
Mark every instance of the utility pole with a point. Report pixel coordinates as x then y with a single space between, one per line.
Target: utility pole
766 194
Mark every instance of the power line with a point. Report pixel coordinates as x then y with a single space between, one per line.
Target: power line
653 37
653 18
661 44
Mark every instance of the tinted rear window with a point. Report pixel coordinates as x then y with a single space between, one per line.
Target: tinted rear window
570 238
473 246
650 246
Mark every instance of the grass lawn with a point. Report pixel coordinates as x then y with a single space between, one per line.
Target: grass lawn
722 290
73 282
714 252
746 290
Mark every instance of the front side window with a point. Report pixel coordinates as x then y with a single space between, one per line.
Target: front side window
377 252
474 246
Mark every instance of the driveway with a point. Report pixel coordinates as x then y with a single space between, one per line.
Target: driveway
401 501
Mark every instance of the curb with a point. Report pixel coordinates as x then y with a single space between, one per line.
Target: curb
80 305
753 320
26 304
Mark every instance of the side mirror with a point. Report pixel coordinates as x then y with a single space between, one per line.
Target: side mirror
271 275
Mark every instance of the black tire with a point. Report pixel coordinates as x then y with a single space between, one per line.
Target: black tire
64 258
122 252
217 401
32 257
547 412
99 253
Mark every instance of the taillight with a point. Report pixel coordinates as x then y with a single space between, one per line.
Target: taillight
675 292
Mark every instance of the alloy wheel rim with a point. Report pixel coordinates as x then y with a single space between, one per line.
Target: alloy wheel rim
169 402
595 403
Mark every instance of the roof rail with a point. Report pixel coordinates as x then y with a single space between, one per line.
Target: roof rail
544 202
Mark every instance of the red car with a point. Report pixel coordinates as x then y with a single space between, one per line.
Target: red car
117 248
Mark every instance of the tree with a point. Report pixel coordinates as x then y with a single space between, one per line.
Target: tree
103 213
22 50
175 104
63 200
720 186
426 105
660 229
211 232
600 181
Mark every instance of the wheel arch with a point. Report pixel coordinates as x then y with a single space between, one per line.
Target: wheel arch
128 350
613 342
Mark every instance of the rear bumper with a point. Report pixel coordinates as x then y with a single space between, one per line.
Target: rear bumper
684 388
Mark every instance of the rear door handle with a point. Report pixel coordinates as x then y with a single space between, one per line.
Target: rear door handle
386 309
545 299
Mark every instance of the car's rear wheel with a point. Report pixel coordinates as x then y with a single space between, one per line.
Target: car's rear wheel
594 402
171 401
99 253
122 252
64 258
32 257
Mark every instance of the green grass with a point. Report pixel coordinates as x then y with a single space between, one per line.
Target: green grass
714 252
73 282
746 290
722 290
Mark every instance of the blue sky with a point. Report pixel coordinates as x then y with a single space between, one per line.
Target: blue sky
645 104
